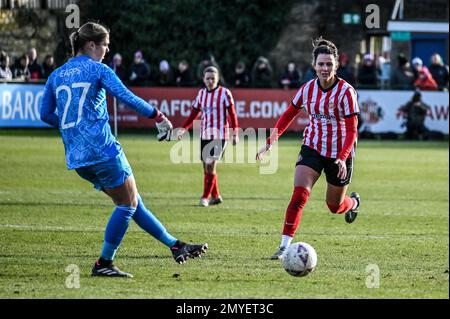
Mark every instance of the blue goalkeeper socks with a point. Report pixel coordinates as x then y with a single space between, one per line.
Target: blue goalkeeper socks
118 225
148 222
116 229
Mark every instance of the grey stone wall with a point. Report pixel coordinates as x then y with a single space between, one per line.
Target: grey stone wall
310 19
23 29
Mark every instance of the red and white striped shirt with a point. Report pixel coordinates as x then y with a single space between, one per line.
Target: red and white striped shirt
214 106
327 109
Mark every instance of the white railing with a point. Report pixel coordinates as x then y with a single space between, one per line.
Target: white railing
36 4
59 4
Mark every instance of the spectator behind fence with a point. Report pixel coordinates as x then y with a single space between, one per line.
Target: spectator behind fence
424 80
183 76
118 68
384 67
439 72
345 71
291 77
310 73
402 78
36 71
241 78
367 73
5 71
20 71
415 112
139 70
262 73
165 77
48 66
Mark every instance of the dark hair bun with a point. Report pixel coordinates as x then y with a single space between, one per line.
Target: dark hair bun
322 46
322 42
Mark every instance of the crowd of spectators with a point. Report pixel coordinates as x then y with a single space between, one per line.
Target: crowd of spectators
26 67
372 72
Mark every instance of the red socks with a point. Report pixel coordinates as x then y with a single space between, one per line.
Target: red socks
294 210
298 201
215 189
208 184
344 207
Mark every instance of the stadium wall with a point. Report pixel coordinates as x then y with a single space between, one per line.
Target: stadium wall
257 108
22 29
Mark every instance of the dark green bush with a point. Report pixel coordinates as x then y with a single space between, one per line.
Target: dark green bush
190 29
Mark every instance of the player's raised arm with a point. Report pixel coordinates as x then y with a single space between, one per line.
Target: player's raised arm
195 111
282 124
112 84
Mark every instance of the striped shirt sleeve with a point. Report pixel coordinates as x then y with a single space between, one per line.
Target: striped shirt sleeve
350 102
197 103
297 101
229 101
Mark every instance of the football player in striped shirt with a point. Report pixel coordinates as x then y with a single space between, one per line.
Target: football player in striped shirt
215 103
328 141
74 101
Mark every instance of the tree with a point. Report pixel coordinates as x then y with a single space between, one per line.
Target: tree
190 29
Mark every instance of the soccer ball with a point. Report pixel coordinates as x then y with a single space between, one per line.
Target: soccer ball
300 259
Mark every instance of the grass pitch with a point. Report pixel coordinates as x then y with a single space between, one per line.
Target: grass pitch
51 218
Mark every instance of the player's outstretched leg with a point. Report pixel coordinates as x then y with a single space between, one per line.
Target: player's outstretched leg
350 215
148 222
115 231
182 251
292 219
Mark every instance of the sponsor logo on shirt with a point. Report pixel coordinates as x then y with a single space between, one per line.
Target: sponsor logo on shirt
323 116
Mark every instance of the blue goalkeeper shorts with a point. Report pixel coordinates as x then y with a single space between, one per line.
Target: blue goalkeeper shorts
109 174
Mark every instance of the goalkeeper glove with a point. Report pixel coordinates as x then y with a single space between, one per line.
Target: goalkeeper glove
164 128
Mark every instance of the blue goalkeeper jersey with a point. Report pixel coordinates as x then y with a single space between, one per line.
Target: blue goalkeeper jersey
75 101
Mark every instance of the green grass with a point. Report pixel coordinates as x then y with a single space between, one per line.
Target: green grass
51 218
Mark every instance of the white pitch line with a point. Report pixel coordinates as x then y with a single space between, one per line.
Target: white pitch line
234 233
51 228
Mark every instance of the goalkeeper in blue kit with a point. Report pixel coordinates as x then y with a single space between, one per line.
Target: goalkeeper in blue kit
75 102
